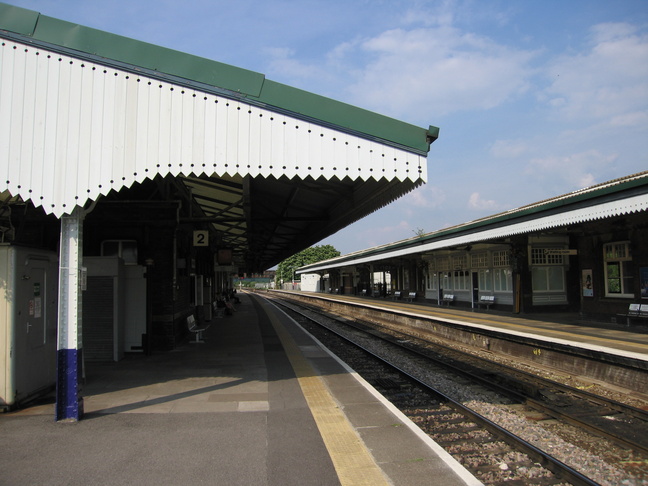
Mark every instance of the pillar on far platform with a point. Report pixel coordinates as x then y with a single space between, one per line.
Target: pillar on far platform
69 403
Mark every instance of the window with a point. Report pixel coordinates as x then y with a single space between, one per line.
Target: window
619 281
125 249
461 280
460 275
445 280
502 274
502 280
547 271
460 261
445 277
480 260
501 258
548 279
431 276
485 282
443 264
540 256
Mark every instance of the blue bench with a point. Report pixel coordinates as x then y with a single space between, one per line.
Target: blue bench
486 300
636 311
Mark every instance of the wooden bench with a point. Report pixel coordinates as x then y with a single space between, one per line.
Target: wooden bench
447 299
635 311
486 300
193 326
397 295
411 297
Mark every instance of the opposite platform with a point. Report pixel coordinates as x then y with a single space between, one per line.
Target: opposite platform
259 402
561 328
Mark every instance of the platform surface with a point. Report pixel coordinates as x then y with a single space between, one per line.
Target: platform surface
559 327
257 403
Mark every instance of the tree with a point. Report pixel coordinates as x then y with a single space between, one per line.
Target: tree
286 269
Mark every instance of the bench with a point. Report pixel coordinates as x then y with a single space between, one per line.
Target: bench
411 297
636 311
397 295
193 326
486 300
219 312
447 299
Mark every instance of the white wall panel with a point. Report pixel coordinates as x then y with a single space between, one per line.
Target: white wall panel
71 130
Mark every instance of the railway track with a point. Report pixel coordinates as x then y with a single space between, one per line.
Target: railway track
618 422
465 432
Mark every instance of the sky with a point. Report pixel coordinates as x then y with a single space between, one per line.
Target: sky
533 99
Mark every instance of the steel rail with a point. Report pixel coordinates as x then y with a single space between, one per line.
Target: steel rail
556 466
530 401
536 404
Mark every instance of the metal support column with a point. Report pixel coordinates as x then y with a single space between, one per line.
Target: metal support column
69 403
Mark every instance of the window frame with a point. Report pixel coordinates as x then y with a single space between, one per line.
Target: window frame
623 261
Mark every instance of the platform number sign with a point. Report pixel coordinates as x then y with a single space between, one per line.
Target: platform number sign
201 238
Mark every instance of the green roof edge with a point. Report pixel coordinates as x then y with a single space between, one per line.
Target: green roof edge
238 81
599 190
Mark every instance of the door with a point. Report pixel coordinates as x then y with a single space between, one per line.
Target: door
35 358
475 289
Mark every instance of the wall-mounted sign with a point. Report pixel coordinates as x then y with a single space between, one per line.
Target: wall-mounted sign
201 238
588 289
550 251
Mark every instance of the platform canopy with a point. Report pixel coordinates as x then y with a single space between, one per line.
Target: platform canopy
270 168
619 197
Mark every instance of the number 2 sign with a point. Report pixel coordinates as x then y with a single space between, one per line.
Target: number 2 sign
201 238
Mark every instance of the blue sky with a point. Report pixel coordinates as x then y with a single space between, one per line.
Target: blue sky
533 98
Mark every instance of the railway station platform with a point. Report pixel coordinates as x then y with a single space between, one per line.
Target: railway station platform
570 329
259 402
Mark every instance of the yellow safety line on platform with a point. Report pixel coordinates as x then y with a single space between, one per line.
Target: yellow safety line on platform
353 463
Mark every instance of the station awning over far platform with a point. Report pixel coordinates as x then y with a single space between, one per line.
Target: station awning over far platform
272 169
625 195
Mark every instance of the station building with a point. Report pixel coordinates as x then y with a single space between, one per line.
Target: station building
136 181
585 252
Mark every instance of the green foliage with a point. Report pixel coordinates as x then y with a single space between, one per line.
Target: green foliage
314 254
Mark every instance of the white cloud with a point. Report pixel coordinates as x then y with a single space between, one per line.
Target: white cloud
508 149
426 196
608 80
418 72
414 73
475 201
379 235
576 170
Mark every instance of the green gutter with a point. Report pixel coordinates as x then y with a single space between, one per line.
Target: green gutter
241 83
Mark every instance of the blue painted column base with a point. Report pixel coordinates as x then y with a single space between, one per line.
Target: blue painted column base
69 403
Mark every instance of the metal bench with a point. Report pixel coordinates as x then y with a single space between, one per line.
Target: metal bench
411 297
219 312
486 300
635 311
193 327
447 299
397 295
